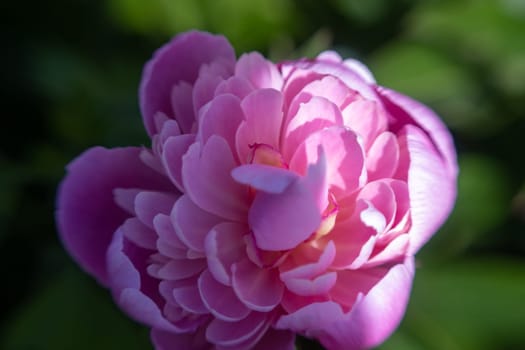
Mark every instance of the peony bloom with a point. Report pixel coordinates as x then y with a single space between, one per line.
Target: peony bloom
275 199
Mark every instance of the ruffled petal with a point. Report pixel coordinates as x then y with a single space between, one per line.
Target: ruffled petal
373 317
87 214
178 61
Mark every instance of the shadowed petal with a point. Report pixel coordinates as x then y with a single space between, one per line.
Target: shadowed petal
172 341
177 61
128 287
87 214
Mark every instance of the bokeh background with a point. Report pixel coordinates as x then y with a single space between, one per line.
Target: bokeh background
70 72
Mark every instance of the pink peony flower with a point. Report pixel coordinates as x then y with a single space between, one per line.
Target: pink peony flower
275 200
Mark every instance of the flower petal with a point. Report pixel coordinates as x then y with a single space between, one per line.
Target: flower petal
408 111
87 214
263 110
224 246
344 156
173 150
264 177
259 71
382 157
163 340
432 188
221 300
223 196
225 333
259 289
178 61
191 223
373 317
131 289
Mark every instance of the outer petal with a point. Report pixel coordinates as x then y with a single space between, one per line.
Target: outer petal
87 215
133 289
372 319
179 60
163 340
407 110
432 188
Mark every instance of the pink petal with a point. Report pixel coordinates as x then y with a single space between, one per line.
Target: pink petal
125 198
87 214
314 115
355 238
394 250
320 285
284 220
310 270
225 246
236 86
432 188
179 60
382 197
408 111
220 300
181 103
361 69
330 88
263 111
344 155
186 295
223 333
191 223
367 118
259 289
382 157
276 339
148 204
129 286
140 234
260 72
210 76
163 340
264 177
372 319
178 269
221 117
173 150
223 196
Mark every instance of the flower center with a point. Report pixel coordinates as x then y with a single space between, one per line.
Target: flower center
267 155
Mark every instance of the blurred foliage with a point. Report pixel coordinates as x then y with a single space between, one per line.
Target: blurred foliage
71 73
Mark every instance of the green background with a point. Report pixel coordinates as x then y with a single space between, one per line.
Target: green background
70 72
